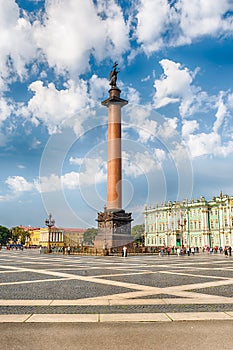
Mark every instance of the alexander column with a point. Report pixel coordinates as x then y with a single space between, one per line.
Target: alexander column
114 224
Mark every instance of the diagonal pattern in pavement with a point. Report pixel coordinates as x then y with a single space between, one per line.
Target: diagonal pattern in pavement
36 287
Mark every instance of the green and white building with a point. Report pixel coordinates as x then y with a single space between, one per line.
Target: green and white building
195 223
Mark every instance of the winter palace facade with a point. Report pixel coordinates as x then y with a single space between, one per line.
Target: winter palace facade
195 223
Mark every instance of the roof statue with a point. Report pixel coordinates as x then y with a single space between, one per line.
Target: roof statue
113 75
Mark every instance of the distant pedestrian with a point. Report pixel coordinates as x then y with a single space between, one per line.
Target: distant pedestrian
168 251
188 251
226 252
192 250
125 251
68 250
178 251
162 252
229 249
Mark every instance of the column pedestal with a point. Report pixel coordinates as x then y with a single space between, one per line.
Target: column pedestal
114 229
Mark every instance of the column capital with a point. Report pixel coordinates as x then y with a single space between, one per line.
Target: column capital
114 98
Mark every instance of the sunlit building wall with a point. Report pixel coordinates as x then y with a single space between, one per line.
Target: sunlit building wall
195 223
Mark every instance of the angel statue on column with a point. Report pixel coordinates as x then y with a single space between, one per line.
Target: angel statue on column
113 75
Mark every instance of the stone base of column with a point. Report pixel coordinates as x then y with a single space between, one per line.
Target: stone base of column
114 229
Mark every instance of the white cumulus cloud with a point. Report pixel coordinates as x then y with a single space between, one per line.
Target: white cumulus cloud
164 23
17 46
72 30
52 106
153 18
174 85
188 127
18 184
204 17
141 163
220 114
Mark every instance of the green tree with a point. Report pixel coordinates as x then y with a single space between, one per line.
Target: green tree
5 235
138 232
89 235
18 234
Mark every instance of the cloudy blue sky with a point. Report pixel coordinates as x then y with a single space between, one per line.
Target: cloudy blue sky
176 71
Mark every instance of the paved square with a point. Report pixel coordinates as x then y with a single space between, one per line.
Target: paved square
32 284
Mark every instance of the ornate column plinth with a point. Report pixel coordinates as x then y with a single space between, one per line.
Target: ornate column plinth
114 229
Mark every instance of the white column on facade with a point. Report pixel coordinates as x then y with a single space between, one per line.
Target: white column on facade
203 220
229 223
221 218
221 225
204 226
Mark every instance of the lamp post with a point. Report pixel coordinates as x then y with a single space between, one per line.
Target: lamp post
50 223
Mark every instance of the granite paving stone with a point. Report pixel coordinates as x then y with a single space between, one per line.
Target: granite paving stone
225 291
210 272
70 309
160 280
23 276
68 289
96 272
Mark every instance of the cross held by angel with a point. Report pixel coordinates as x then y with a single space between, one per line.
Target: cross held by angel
113 75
